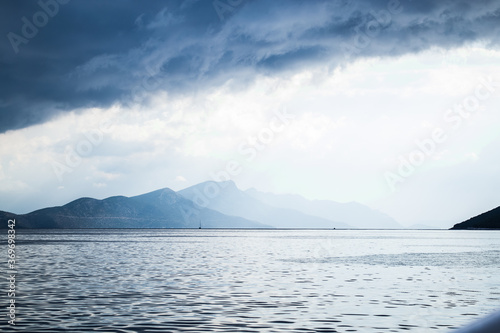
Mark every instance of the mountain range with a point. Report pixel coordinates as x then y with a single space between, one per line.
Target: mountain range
209 204
159 209
219 205
226 198
352 213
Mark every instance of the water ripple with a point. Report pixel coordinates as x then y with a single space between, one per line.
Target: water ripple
252 281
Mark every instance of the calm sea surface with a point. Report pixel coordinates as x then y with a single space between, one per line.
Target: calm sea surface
253 280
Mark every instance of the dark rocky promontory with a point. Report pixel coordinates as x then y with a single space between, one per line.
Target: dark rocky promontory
488 220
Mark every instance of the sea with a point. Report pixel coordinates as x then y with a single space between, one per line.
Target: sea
192 280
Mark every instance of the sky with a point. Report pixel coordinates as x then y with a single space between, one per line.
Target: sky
392 104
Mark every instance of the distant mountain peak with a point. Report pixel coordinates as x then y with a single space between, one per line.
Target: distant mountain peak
226 184
226 198
204 193
162 208
353 213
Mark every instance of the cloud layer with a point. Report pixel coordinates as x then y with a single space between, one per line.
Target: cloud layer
99 53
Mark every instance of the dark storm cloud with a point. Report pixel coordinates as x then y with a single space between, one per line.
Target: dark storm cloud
95 53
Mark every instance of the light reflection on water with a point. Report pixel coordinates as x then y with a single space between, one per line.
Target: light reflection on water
253 280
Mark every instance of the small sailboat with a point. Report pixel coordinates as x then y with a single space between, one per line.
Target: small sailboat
200 225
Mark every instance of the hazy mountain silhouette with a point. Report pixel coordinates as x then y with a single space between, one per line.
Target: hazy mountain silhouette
159 209
226 198
214 204
352 213
488 220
